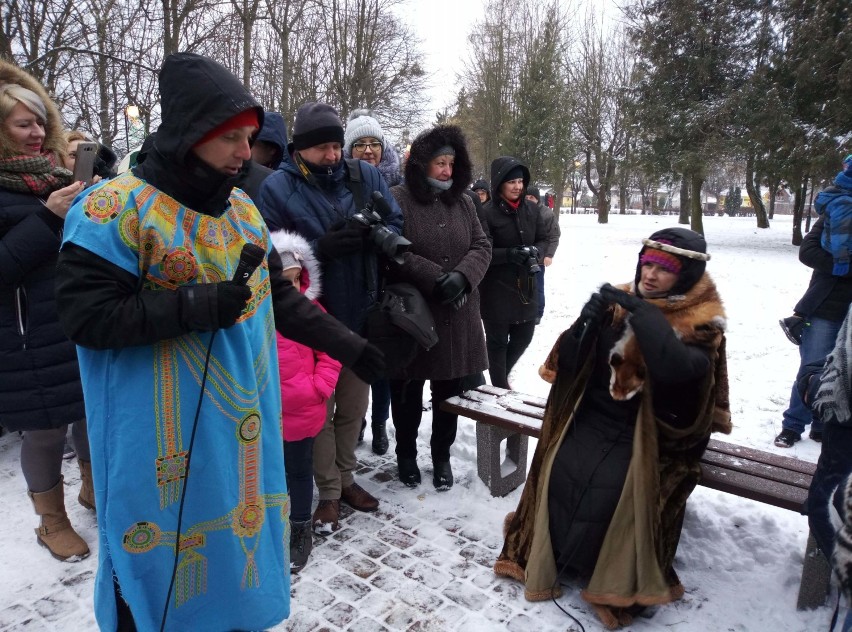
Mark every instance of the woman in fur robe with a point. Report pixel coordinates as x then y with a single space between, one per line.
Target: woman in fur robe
639 383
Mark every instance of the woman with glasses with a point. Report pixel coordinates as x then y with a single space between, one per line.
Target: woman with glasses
365 140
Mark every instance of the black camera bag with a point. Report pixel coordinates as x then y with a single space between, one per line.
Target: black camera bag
401 325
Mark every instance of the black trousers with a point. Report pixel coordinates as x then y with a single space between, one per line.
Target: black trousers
506 343
407 411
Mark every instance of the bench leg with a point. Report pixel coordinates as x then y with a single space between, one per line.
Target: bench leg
488 458
816 578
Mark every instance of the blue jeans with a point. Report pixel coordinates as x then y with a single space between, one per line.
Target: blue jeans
833 467
818 339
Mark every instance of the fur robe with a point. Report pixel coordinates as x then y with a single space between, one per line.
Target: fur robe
635 562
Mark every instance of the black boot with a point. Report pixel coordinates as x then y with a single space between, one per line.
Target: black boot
409 473
301 544
380 437
363 428
442 478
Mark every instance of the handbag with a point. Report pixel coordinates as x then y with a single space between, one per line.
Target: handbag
401 325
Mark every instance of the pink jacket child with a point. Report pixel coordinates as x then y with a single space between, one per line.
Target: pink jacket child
308 377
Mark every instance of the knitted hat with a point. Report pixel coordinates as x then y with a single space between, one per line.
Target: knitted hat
535 192
847 164
315 124
243 119
664 259
514 174
290 260
687 246
480 184
361 124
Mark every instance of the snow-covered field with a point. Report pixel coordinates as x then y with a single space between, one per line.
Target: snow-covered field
422 562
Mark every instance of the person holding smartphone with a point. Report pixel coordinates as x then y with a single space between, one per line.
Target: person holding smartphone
40 392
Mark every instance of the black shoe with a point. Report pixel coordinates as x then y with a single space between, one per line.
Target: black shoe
301 544
409 473
816 435
442 479
380 437
787 438
363 428
792 326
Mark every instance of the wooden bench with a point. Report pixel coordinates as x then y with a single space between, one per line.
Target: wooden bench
776 480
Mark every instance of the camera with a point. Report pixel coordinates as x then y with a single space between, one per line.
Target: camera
385 240
532 260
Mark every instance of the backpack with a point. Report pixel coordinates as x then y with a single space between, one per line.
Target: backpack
401 325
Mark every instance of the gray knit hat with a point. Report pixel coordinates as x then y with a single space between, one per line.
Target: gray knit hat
362 124
315 124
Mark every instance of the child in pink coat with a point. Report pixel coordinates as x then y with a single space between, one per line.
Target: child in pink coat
308 378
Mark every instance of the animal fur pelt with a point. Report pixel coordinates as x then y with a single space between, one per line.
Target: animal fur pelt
422 149
841 559
54 138
311 273
835 389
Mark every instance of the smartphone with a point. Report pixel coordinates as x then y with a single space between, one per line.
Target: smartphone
84 164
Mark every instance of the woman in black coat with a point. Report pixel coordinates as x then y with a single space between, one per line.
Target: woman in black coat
40 389
449 255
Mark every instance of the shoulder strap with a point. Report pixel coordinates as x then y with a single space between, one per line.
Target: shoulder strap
353 181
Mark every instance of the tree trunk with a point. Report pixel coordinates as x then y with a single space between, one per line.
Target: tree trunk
809 207
754 195
697 215
685 203
798 204
773 189
622 199
603 205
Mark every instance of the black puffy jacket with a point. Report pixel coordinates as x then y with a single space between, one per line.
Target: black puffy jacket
39 376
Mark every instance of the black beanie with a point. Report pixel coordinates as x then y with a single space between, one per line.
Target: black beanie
515 174
315 124
534 191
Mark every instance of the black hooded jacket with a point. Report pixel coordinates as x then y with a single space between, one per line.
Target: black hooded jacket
102 306
509 290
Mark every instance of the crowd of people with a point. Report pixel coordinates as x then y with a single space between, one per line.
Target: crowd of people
227 279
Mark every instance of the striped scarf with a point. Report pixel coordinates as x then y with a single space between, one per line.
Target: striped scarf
835 389
39 175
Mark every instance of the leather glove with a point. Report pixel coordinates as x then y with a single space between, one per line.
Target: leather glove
518 255
459 302
628 301
370 365
449 287
594 309
341 240
212 306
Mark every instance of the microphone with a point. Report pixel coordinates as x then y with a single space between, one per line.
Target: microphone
251 256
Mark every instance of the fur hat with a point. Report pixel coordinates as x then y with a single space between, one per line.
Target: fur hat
686 245
54 136
316 123
296 251
423 149
362 124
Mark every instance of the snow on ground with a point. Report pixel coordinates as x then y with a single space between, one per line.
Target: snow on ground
423 561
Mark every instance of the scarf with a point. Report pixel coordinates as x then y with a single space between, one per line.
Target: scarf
39 175
440 185
835 389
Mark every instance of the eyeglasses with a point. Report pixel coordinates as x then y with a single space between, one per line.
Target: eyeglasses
359 147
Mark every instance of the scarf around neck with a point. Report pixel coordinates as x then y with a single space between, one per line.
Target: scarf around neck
40 175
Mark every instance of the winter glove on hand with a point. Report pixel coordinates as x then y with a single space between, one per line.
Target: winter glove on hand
450 287
341 240
370 365
517 255
212 306
459 302
627 301
594 309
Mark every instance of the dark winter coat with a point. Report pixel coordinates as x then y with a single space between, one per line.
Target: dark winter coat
289 202
446 235
103 306
827 296
508 290
39 376
274 132
553 231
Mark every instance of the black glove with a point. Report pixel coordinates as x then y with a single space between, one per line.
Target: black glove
517 255
627 301
449 287
341 240
594 309
370 365
212 306
459 302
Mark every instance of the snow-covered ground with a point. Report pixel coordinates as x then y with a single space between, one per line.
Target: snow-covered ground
423 561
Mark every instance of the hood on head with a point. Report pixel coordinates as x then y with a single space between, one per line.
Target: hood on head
500 167
422 152
284 241
689 247
197 94
274 131
54 135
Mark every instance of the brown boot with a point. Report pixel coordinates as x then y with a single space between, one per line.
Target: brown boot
359 498
55 531
87 490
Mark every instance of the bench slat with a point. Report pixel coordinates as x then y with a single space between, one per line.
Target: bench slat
474 410
753 488
786 462
754 468
532 400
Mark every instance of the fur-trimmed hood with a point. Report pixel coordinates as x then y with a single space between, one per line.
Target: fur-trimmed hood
422 149
284 241
54 137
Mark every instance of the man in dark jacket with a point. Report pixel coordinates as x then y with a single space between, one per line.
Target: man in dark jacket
168 346
315 193
519 236
553 235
